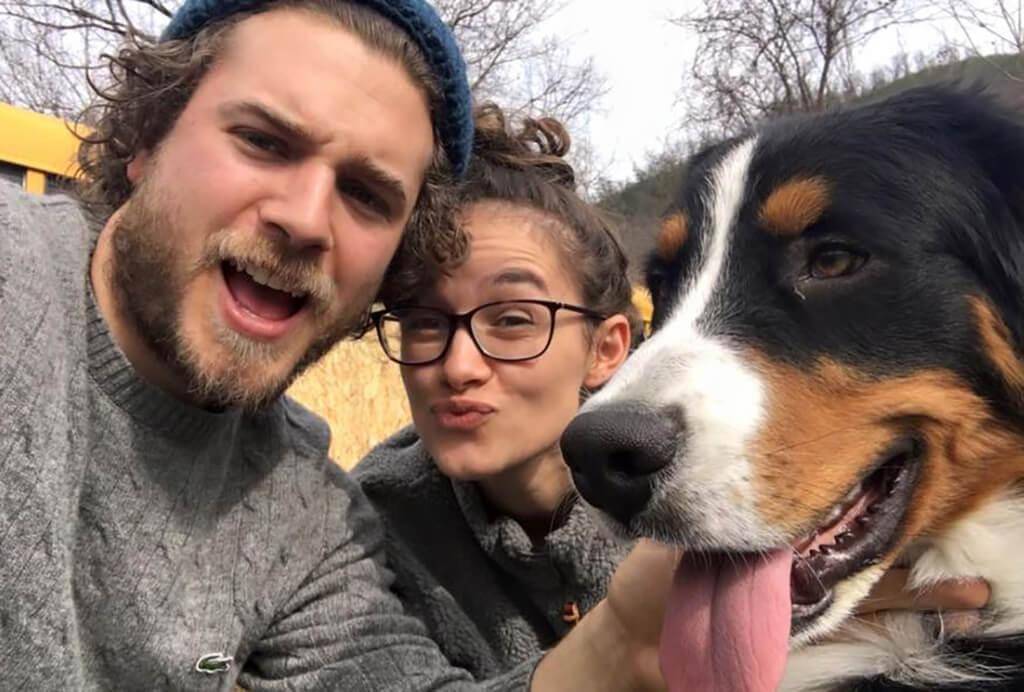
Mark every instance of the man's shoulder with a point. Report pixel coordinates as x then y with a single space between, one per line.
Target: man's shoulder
40 230
303 441
22 205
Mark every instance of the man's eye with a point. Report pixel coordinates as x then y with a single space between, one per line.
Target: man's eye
263 142
365 197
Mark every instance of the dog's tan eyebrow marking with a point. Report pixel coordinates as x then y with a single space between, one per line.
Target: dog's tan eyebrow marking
996 343
672 236
794 206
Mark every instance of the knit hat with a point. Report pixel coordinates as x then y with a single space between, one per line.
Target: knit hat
418 19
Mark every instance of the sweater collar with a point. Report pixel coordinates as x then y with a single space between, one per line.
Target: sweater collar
575 552
147 404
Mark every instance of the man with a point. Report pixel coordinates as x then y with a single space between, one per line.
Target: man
167 519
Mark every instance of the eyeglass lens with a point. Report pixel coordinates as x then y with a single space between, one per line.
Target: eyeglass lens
510 330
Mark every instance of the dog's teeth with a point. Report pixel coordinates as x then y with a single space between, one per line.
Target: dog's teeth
843 538
862 520
850 496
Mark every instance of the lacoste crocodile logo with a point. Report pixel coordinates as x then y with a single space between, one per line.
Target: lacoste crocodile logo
214 664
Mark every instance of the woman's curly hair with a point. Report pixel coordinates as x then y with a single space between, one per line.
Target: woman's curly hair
527 166
150 84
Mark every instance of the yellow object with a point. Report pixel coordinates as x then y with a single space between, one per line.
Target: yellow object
35 182
40 144
644 305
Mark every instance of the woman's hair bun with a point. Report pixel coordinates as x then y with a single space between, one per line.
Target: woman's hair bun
538 145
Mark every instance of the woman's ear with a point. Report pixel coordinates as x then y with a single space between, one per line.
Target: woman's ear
609 348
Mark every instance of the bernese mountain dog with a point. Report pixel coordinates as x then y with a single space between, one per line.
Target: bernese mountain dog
835 380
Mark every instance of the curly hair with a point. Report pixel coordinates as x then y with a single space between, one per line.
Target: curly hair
151 83
527 166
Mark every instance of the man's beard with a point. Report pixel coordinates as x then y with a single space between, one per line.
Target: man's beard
150 277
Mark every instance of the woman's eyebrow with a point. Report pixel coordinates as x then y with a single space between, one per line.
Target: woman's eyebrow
519 276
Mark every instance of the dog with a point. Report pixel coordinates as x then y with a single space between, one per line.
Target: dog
836 371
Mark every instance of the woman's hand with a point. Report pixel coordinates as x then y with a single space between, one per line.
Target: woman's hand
892 593
959 600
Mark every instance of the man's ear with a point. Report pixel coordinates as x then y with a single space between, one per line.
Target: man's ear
609 349
137 167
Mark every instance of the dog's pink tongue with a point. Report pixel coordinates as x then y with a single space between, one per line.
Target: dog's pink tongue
727 624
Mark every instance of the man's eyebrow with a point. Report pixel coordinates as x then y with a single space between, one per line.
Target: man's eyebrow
378 177
519 276
279 121
387 183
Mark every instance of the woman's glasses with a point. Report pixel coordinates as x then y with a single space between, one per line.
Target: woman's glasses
507 330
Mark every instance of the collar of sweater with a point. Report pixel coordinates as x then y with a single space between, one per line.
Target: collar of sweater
575 551
148 405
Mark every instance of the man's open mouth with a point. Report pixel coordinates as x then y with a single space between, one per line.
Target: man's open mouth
260 293
856 533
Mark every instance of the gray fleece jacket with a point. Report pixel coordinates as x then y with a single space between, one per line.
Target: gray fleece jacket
146 544
490 598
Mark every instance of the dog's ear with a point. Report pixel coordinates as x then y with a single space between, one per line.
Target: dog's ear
989 158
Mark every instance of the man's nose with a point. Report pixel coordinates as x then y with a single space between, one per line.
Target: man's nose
302 208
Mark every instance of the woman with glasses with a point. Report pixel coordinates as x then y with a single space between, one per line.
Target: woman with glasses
496 354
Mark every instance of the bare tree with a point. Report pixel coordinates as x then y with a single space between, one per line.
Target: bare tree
989 27
510 61
48 46
760 57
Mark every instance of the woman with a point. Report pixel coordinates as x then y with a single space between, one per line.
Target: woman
488 547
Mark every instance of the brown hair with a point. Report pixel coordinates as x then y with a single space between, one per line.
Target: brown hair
527 166
151 83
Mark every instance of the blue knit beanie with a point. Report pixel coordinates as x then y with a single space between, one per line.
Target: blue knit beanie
415 17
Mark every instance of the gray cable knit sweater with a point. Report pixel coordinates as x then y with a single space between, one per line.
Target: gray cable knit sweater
139 534
490 598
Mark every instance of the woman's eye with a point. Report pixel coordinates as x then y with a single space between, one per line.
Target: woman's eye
834 261
513 320
423 324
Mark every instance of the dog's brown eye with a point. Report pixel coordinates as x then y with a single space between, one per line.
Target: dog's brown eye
831 262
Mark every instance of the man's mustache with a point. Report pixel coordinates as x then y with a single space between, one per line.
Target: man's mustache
272 261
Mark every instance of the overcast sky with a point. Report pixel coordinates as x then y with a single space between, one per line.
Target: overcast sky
644 59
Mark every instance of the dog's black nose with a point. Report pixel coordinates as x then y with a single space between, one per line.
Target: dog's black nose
614 453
